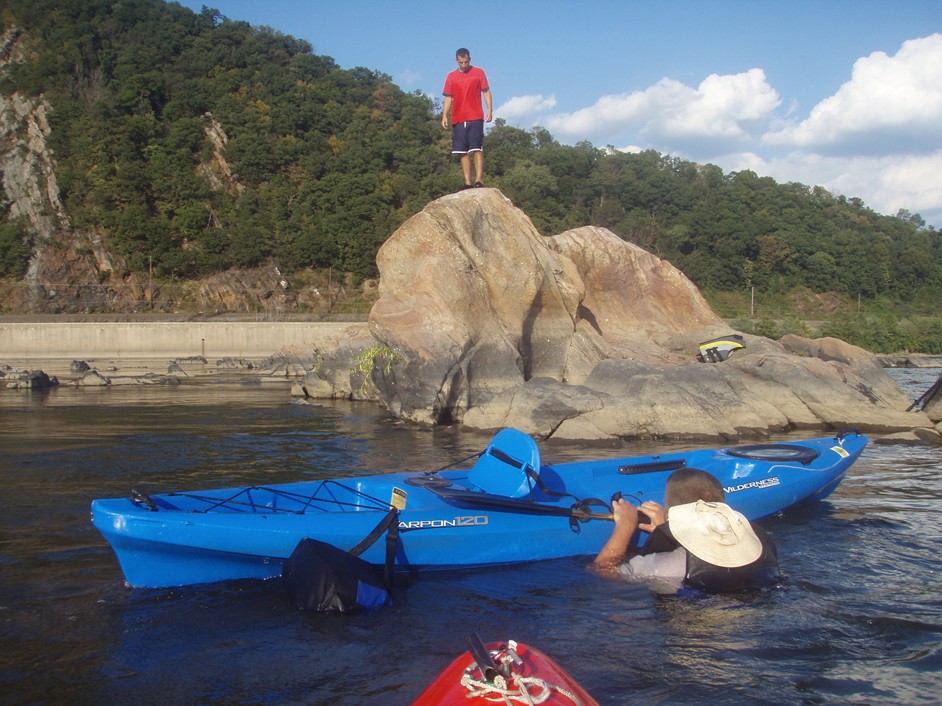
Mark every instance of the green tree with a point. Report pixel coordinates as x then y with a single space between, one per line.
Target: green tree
15 247
151 103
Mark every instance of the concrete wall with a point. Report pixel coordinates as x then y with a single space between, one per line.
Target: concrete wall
211 339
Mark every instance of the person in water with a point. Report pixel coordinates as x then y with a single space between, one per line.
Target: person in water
695 540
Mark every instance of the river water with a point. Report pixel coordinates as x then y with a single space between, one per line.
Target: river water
858 619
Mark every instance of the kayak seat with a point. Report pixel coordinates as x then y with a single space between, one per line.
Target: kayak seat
505 465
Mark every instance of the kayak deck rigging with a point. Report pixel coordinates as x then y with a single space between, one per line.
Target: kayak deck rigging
243 500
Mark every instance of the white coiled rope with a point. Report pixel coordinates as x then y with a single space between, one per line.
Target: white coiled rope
519 689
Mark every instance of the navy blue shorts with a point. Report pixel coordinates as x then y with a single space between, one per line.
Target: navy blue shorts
467 137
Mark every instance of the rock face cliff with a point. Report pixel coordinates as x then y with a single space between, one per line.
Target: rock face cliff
482 321
69 270
73 270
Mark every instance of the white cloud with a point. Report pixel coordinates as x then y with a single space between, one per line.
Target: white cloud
525 106
726 108
722 107
878 138
408 79
626 111
891 103
915 183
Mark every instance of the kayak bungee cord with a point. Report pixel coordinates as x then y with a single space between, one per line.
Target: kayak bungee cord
303 502
139 497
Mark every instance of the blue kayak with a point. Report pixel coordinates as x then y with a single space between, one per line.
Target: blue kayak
507 508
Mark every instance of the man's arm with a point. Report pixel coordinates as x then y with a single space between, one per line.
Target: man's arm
626 524
487 102
446 111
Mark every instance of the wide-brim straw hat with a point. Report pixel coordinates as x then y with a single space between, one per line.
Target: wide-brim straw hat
715 533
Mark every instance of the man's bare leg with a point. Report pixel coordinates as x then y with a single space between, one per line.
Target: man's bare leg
478 168
466 168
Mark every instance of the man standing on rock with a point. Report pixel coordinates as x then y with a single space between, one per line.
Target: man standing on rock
463 90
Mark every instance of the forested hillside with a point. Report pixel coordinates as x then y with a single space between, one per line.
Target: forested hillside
325 162
192 144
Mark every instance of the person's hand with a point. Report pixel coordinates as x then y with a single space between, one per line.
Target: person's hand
489 117
656 512
625 515
445 121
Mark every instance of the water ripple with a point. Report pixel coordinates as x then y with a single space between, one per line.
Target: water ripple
857 618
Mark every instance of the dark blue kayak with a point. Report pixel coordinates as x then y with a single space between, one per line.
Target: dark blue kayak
507 508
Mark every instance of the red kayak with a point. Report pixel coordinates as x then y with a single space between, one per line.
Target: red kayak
508 673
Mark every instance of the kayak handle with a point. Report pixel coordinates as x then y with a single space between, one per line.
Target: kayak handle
139 497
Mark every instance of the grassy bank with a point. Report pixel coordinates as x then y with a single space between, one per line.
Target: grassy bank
881 326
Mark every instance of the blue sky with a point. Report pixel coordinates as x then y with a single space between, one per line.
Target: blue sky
838 93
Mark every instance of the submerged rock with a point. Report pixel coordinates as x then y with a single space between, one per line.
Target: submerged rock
93 378
30 380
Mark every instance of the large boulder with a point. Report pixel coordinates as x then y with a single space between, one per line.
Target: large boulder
632 303
482 321
476 301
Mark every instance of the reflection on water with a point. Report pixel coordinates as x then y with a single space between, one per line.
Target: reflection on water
857 620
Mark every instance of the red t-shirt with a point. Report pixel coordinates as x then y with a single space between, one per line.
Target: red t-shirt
465 90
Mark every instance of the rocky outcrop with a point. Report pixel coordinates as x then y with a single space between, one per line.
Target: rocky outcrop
760 390
241 290
68 270
920 436
750 395
29 380
92 378
75 270
217 171
342 366
477 302
482 321
632 302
